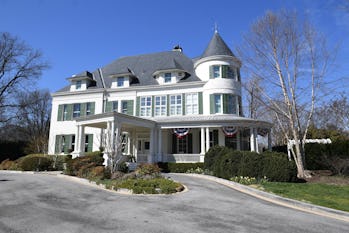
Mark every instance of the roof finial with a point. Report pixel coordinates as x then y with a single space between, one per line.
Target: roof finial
215 27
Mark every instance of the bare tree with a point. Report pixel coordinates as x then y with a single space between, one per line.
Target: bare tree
20 66
34 119
290 58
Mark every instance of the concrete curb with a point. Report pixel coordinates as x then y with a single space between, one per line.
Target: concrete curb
282 201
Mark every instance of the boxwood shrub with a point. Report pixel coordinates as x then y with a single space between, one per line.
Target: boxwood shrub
36 163
227 163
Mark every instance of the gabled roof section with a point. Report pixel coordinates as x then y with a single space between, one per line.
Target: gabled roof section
217 46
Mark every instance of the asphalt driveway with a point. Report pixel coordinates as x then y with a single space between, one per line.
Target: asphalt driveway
46 203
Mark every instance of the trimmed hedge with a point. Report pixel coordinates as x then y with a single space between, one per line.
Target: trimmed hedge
36 163
179 167
227 163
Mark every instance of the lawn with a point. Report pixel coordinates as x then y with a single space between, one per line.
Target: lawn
332 196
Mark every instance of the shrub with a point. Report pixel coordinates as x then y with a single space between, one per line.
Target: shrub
277 167
8 165
36 163
229 163
82 166
179 167
148 170
213 154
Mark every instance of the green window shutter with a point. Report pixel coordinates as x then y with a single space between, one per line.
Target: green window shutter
60 113
168 105
108 106
90 142
152 105
130 107
215 137
211 72
58 144
69 112
200 102
225 103
183 104
67 144
137 105
225 71
212 107
92 106
83 109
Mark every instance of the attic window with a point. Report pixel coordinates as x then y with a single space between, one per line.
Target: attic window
168 77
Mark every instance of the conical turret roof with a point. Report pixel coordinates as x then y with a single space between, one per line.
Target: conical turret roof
217 46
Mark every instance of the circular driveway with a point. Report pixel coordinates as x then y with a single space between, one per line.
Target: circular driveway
46 203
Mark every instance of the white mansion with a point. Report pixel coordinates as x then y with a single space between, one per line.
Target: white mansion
160 107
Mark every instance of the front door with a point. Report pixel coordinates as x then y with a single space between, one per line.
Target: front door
143 148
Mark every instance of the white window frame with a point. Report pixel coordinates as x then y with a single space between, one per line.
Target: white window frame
88 108
145 106
191 103
123 109
175 106
160 105
218 104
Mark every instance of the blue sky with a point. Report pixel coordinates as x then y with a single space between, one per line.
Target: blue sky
78 35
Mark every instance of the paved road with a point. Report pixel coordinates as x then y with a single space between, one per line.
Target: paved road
44 203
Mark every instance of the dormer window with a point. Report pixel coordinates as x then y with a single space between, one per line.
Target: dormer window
168 77
78 85
120 81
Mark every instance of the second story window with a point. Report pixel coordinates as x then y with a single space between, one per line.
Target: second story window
145 108
124 107
120 81
65 112
76 110
160 106
115 106
88 109
176 105
191 104
223 71
217 103
78 85
168 78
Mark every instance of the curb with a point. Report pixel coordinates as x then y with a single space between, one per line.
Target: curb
282 201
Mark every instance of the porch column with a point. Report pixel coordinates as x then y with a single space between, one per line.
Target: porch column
159 145
81 140
116 134
77 140
202 152
256 140
151 149
252 139
207 139
269 140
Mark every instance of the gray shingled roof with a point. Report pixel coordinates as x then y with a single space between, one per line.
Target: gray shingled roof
217 46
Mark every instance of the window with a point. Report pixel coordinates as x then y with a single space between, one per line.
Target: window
191 103
145 106
65 112
176 105
223 71
72 142
124 107
160 106
223 103
78 85
115 106
120 81
182 145
76 110
63 144
217 103
216 72
88 109
168 77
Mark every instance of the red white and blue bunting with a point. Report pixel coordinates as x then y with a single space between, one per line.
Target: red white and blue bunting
262 131
230 131
180 132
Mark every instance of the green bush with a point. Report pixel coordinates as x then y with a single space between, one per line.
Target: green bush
228 163
277 167
83 166
213 154
36 163
179 167
147 169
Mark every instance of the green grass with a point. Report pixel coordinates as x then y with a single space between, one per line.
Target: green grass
332 196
